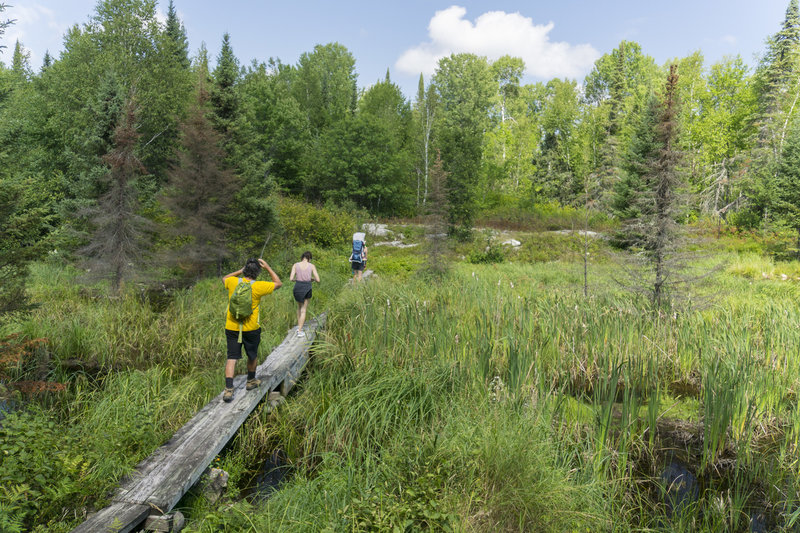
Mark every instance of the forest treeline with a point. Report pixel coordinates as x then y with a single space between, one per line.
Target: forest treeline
128 145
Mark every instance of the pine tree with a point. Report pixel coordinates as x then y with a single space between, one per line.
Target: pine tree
224 99
23 224
20 63
117 237
788 182
642 150
436 217
47 61
176 37
200 192
778 88
653 236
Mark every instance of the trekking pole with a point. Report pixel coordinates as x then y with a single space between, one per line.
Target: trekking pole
269 236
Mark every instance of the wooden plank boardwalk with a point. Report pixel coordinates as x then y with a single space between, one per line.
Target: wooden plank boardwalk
161 480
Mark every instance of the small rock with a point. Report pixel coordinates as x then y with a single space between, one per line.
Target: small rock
377 230
681 485
216 483
513 242
582 233
167 523
395 244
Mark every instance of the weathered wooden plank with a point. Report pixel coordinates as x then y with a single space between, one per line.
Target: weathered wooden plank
116 518
163 478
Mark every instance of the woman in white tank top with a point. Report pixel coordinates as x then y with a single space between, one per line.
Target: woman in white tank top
302 274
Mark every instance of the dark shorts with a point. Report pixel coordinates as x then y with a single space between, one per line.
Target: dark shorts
250 341
302 291
358 266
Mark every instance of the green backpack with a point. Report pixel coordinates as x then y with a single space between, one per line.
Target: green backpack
241 303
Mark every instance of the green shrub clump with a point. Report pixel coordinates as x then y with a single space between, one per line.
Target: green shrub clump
492 253
303 222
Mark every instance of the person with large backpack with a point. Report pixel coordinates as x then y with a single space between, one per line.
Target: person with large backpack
358 257
242 327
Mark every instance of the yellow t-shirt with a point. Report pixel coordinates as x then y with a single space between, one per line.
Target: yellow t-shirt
260 288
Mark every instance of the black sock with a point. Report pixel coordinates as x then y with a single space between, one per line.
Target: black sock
228 383
251 375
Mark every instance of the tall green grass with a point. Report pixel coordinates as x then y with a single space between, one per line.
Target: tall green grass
499 399
418 366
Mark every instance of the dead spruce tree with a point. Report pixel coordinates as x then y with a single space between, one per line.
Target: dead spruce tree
116 239
199 194
660 267
436 211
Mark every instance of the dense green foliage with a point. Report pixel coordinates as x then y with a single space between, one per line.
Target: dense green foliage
308 131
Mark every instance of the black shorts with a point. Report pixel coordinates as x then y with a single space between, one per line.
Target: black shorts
250 341
358 266
302 291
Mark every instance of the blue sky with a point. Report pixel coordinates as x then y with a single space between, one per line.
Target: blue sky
556 38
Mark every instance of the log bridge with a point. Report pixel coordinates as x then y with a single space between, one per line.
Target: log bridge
160 481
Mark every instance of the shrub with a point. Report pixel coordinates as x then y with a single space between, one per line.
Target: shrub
302 222
492 253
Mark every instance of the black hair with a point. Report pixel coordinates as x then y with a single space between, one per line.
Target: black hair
306 255
251 269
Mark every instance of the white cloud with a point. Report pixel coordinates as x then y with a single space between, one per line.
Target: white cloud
495 34
36 27
729 40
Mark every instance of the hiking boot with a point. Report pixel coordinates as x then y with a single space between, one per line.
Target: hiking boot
227 396
252 384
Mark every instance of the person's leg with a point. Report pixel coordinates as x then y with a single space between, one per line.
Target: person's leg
251 342
234 353
230 367
301 315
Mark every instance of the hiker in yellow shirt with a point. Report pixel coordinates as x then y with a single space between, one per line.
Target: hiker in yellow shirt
249 328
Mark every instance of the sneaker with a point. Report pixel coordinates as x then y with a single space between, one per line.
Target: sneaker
227 396
301 333
252 384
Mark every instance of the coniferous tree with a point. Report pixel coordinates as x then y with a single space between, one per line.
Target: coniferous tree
224 99
23 225
200 191
117 238
436 213
176 37
788 195
255 207
778 88
636 164
20 63
653 234
47 61
104 111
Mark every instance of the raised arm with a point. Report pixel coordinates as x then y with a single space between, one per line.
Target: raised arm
275 279
314 271
237 274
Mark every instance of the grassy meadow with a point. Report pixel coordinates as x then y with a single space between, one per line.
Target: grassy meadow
498 398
